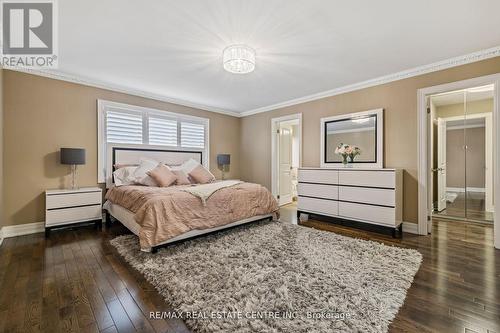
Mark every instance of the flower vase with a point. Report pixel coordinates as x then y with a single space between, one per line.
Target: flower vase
345 162
350 161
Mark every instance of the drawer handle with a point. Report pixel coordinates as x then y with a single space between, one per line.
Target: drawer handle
70 207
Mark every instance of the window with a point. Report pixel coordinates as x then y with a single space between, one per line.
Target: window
123 127
164 132
133 125
192 135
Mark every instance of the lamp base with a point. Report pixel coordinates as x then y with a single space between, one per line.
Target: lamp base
73 185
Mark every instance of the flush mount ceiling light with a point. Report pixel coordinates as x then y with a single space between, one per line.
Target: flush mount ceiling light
238 59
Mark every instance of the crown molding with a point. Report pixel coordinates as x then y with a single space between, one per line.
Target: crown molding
421 70
121 89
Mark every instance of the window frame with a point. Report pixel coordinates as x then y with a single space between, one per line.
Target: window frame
102 145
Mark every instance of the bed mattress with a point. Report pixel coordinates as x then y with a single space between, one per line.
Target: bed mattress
160 214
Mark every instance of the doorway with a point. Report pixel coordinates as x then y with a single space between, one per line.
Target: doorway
461 135
286 157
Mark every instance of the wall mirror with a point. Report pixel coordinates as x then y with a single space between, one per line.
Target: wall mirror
353 140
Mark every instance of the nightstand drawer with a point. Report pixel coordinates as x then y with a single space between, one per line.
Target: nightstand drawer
71 215
73 199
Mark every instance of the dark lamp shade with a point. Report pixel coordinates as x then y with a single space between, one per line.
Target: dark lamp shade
223 159
72 156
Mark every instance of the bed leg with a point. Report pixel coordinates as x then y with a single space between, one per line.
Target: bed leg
98 224
154 250
108 219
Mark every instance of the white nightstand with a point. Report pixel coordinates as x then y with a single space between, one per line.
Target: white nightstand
65 207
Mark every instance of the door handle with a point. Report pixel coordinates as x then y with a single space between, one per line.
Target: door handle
437 169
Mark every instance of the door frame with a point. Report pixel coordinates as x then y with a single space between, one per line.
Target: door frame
424 211
274 148
439 157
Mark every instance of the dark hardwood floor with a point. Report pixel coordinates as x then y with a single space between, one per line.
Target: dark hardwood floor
76 282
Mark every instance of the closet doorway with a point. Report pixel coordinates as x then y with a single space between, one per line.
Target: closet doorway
462 148
286 157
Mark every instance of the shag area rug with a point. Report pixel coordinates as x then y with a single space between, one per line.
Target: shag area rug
278 277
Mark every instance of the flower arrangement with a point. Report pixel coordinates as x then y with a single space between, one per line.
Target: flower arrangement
347 151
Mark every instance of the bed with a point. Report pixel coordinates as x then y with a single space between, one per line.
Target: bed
163 215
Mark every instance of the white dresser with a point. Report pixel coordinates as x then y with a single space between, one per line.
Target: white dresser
64 207
368 196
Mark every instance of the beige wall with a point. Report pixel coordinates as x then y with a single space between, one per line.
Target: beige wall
41 115
455 158
399 99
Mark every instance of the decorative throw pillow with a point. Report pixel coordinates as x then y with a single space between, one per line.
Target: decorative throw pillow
140 174
124 176
201 175
189 165
162 175
182 178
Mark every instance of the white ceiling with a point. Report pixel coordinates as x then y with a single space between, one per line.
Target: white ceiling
173 48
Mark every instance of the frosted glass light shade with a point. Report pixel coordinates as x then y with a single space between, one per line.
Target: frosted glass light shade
238 59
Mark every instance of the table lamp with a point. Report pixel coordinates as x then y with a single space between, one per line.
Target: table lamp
73 157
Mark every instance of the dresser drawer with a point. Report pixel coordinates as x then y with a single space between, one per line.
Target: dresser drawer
385 179
320 206
70 215
379 215
319 176
73 199
368 195
318 191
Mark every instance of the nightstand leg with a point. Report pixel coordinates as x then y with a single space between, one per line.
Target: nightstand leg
47 232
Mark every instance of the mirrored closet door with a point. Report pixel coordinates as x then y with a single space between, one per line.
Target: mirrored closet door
462 139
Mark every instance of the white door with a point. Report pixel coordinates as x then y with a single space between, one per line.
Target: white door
285 166
441 164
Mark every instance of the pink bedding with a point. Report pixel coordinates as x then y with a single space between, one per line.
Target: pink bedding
166 212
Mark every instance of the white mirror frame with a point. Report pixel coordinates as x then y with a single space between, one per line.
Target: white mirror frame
379 164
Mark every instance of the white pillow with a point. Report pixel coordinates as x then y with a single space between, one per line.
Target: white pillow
124 176
189 165
140 174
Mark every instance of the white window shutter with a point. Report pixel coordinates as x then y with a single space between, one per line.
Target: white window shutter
162 132
192 135
123 127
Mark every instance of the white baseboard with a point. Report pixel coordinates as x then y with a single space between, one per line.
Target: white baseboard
22 229
411 228
462 190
